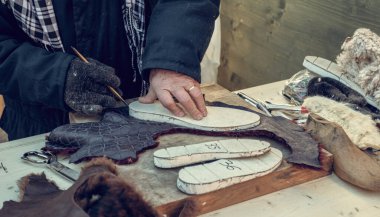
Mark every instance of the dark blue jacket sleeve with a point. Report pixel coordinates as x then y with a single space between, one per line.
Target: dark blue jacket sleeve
29 73
178 35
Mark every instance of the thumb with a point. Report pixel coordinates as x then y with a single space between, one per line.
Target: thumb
150 97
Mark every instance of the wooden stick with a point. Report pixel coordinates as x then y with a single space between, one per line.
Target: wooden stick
113 91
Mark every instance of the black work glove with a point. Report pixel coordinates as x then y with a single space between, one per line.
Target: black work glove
86 86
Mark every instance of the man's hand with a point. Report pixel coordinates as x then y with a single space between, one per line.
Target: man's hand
86 89
165 84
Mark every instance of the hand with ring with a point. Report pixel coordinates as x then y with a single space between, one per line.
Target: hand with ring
166 84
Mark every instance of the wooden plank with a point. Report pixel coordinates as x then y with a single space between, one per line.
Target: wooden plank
266 40
285 177
160 185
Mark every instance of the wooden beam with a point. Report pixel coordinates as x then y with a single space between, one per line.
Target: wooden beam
266 40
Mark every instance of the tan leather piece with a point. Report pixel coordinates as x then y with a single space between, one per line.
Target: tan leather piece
350 163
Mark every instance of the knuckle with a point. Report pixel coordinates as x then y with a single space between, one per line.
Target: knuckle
196 93
184 98
172 106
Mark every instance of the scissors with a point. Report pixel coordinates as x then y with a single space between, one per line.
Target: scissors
256 103
49 159
268 107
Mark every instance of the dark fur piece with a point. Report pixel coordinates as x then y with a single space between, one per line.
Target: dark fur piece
106 195
102 161
339 92
335 90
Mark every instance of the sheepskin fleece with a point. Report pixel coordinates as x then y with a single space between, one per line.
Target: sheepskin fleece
360 128
360 60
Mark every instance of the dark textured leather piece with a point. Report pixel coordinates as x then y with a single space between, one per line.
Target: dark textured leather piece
304 149
121 137
40 199
116 136
98 192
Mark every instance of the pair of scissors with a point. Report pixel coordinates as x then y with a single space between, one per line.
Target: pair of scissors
256 103
268 107
51 161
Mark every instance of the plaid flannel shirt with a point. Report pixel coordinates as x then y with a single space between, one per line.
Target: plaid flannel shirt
37 19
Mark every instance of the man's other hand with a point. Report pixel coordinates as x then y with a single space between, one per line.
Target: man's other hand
86 89
166 84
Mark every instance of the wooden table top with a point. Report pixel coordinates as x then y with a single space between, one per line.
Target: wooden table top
328 196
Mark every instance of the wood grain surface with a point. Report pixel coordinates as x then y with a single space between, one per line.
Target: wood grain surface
266 40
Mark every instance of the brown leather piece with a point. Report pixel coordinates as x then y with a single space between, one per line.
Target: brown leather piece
98 192
350 163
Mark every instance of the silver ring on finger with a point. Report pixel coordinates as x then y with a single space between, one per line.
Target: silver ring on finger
191 88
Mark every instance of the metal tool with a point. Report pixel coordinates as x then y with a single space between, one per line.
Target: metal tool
113 91
272 107
267 107
51 161
256 103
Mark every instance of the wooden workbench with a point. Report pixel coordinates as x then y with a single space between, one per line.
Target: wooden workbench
158 186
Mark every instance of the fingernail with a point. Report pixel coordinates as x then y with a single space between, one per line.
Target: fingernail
180 114
204 113
199 117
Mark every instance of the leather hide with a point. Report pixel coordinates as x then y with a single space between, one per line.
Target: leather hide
121 137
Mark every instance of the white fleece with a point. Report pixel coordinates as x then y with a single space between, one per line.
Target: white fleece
360 60
360 128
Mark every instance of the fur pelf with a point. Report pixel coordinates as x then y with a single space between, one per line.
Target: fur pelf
360 60
106 195
102 161
98 192
360 128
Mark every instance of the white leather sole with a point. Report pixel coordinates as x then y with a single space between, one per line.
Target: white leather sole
218 118
230 148
219 174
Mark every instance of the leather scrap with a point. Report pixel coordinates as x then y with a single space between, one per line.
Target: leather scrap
304 149
350 163
121 137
